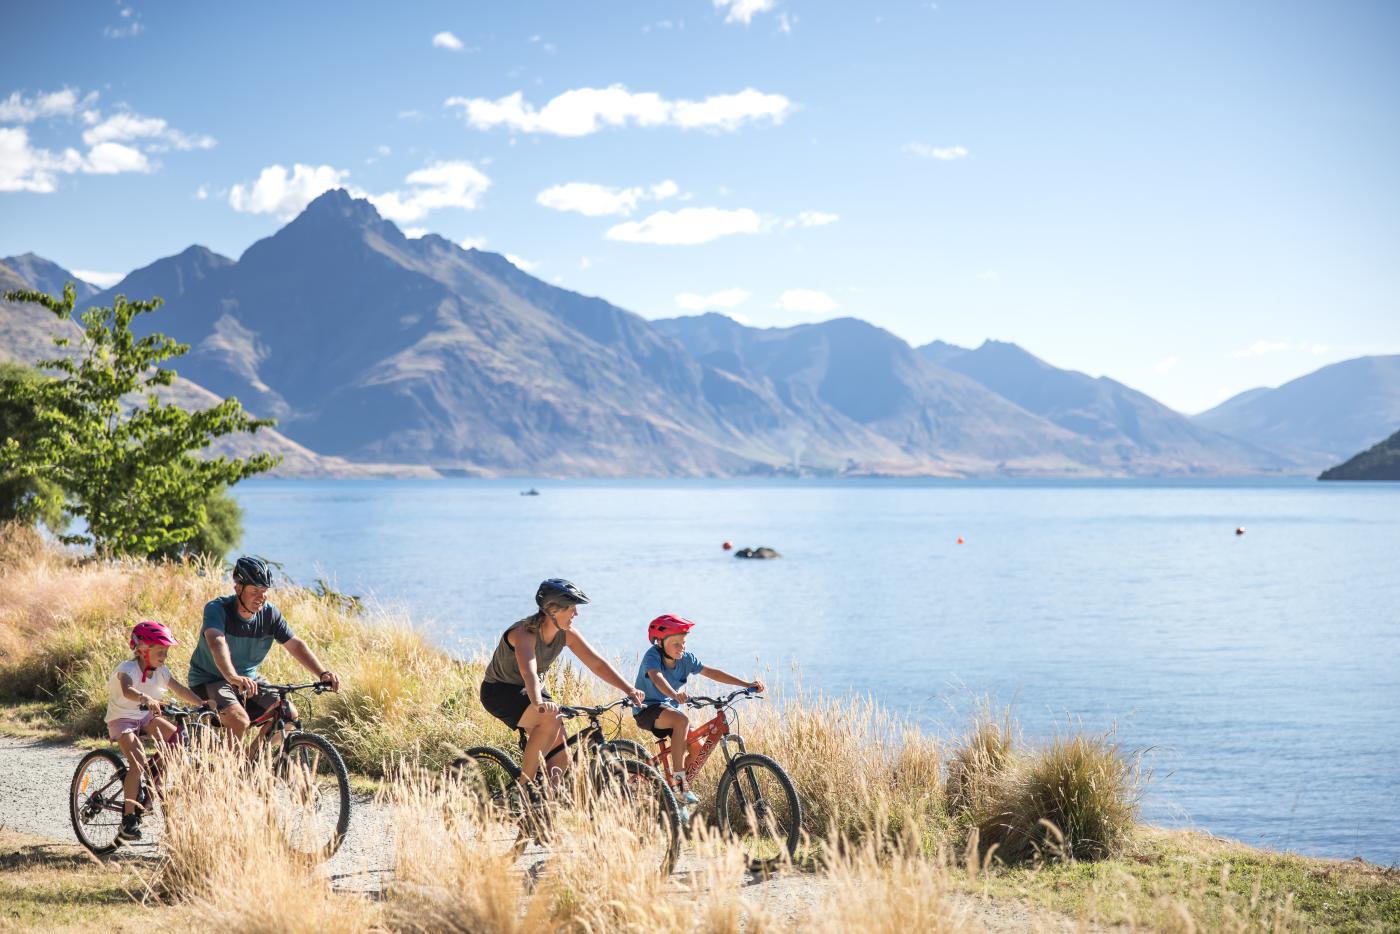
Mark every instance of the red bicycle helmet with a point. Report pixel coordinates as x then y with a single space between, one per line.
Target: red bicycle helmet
149 633
668 625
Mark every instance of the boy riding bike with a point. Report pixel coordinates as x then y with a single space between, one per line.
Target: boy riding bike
665 668
141 679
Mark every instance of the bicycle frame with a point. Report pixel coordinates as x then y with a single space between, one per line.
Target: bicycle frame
702 741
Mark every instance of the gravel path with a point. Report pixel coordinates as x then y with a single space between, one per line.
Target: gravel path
34 779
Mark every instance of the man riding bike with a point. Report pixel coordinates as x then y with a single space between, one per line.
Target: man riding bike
237 632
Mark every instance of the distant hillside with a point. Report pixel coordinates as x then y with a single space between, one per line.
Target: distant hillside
1135 428
1319 419
1381 462
27 334
46 275
373 347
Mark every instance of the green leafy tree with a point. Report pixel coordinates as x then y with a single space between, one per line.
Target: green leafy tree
129 471
219 534
27 499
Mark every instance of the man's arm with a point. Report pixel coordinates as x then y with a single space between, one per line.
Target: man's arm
302 653
218 647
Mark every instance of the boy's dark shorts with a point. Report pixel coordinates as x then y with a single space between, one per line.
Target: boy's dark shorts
221 695
646 720
507 702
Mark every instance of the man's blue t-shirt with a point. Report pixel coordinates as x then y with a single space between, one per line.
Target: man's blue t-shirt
248 639
686 666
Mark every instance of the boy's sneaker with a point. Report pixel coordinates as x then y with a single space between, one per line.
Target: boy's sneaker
130 828
683 793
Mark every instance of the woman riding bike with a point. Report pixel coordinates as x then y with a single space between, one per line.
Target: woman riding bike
511 690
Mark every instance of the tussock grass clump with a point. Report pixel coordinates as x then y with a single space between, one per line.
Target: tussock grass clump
980 759
1076 798
889 886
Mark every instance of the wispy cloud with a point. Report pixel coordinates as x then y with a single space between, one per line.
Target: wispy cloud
125 127
725 298
807 301
284 194
601 201
939 153
445 40
473 243
743 11
814 219
687 227
1167 365
1260 348
440 185
519 262
18 108
584 111
103 280
129 27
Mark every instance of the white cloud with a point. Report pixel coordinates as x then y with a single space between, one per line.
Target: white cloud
1259 348
410 115
725 298
816 219
941 153
524 265
445 40
103 280
743 11
806 301
285 195
413 233
384 150
113 158
1167 365
131 28
583 111
473 243
687 227
440 185
124 127
24 168
785 23
20 109
202 193
585 263
599 200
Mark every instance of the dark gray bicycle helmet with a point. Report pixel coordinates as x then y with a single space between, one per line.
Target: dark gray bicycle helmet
558 590
251 569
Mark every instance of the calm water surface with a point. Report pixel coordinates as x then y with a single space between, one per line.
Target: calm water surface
1261 670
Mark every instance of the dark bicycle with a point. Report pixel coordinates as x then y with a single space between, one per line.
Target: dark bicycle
95 796
314 786
756 802
523 809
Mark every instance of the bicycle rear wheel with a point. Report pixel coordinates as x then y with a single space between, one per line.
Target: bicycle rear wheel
95 800
314 806
758 807
488 778
649 806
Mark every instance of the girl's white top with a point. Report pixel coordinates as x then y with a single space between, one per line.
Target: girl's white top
154 687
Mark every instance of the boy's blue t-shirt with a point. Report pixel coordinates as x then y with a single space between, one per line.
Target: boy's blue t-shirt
676 677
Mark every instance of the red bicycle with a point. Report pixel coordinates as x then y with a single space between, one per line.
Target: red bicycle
756 801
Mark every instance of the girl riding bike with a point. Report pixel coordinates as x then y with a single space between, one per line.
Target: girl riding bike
141 680
511 690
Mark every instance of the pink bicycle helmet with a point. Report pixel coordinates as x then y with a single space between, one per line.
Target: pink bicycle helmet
668 625
149 633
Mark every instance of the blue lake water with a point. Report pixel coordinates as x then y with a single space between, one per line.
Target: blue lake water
1260 670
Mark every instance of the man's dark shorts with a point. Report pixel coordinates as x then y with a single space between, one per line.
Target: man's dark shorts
221 695
507 702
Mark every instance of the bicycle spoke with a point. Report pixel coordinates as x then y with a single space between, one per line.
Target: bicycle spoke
759 809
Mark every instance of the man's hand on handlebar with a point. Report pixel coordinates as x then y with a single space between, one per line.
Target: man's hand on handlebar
331 678
245 686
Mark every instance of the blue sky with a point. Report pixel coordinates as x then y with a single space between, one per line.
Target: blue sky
1193 198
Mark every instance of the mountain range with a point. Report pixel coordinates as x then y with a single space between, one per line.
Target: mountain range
372 347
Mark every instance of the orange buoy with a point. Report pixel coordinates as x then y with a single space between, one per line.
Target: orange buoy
960 539
728 546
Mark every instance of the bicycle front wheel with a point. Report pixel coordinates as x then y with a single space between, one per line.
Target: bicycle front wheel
758 807
488 779
314 802
649 806
95 800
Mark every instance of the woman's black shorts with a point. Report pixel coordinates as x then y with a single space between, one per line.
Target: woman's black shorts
646 720
507 702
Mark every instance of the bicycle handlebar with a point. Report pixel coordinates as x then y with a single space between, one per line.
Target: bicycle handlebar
568 712
320 687
749 693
